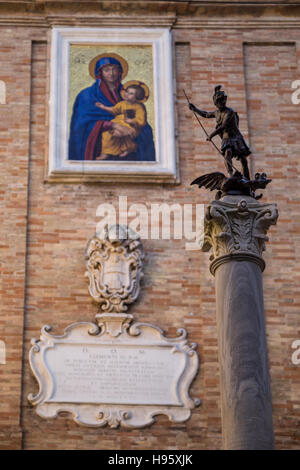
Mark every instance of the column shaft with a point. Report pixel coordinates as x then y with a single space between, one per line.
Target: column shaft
245 387
236 231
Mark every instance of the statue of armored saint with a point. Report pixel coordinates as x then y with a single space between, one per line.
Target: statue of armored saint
233 146
227 127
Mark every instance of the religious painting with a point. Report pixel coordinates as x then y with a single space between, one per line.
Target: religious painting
111 105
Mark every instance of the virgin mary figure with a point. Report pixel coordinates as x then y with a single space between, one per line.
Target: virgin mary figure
89 121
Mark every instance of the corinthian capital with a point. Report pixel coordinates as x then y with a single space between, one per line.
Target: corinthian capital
236 228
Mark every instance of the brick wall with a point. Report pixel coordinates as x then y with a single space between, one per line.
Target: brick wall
45 228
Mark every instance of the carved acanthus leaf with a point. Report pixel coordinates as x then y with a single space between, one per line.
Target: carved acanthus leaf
238 226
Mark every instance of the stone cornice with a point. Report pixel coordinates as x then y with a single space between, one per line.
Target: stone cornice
173 14
235 23
149 21
88 21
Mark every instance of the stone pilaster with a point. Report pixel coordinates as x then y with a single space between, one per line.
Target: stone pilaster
235 230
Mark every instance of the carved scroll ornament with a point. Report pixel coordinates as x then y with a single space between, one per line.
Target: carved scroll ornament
114 268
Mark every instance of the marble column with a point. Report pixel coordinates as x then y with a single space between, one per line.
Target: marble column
235 230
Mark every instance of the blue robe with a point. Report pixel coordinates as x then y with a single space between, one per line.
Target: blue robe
86 114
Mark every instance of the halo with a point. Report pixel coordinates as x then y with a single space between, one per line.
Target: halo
141 84
122 61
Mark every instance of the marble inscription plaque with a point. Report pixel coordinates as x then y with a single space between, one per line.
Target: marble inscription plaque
104 374
113 372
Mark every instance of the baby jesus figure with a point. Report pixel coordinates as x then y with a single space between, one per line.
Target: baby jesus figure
130 117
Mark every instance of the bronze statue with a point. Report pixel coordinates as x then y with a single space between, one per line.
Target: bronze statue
233 146
233 143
